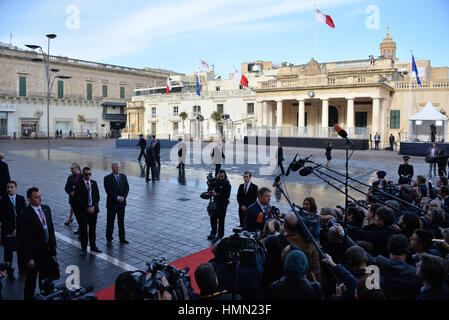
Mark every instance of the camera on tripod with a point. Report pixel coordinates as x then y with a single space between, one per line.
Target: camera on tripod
140 285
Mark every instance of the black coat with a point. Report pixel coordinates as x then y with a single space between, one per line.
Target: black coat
280 154
4 177
285 289
31 237
7 216
250 220
248 281
82 196
142 143
247 199
223 190
377 235
405 170
113 190
401 281
150 156
70 185
157 148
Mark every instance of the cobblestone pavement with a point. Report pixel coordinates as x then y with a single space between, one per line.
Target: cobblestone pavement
165 218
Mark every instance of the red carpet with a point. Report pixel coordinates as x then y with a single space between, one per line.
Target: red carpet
192 261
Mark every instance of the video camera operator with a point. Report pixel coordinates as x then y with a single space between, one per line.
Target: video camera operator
220 190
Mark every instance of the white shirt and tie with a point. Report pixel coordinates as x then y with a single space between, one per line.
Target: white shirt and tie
247 187
117 180
41 216
13 201
89 190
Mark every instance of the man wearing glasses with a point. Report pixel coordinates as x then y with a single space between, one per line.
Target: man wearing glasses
87 199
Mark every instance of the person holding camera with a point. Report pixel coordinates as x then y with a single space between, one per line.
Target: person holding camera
220 193
37 242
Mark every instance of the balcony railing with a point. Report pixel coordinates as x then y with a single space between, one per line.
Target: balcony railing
43 95
193 95
424 84
331 81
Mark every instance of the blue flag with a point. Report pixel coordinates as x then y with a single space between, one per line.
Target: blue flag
198 89
414 68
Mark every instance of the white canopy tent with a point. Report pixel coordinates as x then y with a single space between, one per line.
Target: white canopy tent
419 124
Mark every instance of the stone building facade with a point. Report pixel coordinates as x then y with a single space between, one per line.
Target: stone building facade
363 96
96 93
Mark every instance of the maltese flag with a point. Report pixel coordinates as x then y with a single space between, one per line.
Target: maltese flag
241 79
168 85
324 18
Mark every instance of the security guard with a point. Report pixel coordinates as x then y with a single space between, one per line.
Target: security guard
405 171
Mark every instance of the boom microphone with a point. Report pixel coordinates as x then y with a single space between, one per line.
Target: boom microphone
290 166
342 133
277 180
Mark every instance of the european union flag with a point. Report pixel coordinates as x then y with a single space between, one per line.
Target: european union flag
414 68
198 88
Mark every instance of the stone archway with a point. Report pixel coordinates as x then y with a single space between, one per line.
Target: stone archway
333 115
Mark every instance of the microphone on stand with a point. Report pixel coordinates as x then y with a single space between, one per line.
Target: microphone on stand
342 133
291 165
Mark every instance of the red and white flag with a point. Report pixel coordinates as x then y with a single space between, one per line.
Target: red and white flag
324 18
204 64
241 79
168 85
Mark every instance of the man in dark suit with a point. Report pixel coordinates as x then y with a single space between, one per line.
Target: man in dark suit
246 195
259 212
4 175
157 151
150 159
117 188
142 144
87 199
37 242
13 204
405 171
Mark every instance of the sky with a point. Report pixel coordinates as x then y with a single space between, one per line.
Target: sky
174 34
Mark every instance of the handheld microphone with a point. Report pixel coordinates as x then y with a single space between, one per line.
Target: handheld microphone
342 133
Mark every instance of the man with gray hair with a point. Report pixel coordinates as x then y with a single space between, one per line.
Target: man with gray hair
117 188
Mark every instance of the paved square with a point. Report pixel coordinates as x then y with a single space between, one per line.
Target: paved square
165 218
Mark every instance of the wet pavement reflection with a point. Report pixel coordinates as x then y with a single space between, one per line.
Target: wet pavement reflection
196 178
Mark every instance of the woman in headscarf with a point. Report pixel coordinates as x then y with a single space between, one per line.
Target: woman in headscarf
294 284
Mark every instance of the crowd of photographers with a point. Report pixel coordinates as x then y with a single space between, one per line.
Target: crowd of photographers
394 245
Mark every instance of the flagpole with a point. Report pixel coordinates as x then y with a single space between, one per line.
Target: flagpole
410 86
314 32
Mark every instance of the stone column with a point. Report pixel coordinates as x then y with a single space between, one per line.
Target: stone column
350 114
325 113
383 131
301 110
375 116
259 113
264 113
279 114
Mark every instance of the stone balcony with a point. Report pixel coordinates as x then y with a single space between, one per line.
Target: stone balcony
193 96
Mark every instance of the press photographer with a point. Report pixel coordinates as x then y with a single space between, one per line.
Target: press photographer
160 282
219 190
57 290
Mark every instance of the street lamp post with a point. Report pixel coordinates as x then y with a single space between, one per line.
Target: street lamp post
46 60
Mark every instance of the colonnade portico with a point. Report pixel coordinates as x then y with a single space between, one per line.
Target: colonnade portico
282 109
